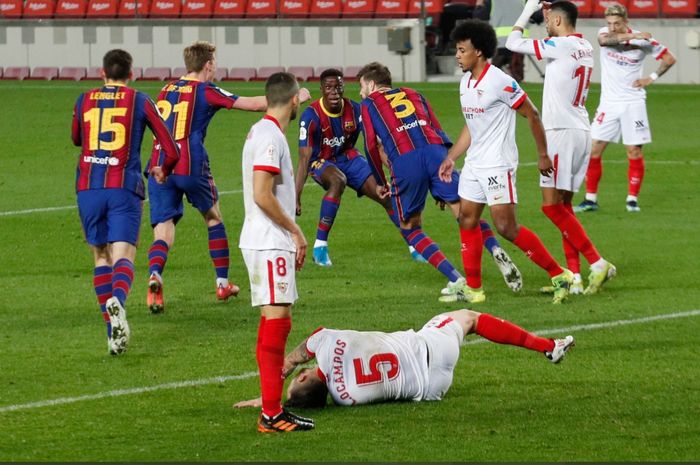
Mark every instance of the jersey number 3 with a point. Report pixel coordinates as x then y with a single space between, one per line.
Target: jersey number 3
399 100
391 361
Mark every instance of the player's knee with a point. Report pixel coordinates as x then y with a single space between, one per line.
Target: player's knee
634 152
337 183
507 229
467 319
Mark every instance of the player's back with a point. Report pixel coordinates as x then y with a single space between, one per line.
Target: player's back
566 82
330 135
110 125
366 367
403 121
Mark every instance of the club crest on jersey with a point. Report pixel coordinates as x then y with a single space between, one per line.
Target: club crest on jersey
512 87
349 125
283 286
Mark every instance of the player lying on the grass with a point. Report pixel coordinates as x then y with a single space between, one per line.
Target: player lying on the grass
361 367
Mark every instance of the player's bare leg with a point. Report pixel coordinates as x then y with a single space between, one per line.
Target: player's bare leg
593 175
219 252
163 240
635 176
334 181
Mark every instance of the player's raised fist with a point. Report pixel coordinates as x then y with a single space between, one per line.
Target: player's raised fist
304 95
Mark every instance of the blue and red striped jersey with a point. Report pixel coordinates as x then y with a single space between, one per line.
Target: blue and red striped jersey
402 121
330 135
187 106
109 124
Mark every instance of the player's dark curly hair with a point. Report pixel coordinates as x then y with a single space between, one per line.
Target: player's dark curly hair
311 395
568 9
480 33
331 72
117 64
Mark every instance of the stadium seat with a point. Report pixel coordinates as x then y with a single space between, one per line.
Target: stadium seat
391 9
643 8
1 72
102 8
350 72
136 73
71 8
44 73
261 9
16 72
39 9
220 74
94 73
74 73
325 9
241 74
197 8
599 6
294 8
156 74
679 8
585 8
134 8
358 8
11 9
320 69
432 7
229 8
178 72
267 71
166 9
302 73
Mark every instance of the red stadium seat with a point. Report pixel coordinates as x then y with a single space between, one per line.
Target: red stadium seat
261 9
136 73
432 7
220 74
198 8
102 8
294 8
134 8
302 73
679 8
45 73
241 74
325 9
599 6
39 8
72 73
267 71
179 72
11 9
71 8
391 9
156 74
643 8
350 72
165 9
94 73
229 8
358 8
585 8
1 70
16 72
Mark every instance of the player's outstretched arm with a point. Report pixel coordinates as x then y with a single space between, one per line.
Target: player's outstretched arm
257 103
528 110
668 59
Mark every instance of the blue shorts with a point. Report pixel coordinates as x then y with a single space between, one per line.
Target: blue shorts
356 171
166 199
414 174
110 215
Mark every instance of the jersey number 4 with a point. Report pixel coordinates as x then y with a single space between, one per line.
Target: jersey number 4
391 371
583 74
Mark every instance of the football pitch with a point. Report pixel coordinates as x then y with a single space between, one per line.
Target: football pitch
628 391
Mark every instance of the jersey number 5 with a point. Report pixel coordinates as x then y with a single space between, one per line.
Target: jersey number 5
375 375
101 120
583 74
180 109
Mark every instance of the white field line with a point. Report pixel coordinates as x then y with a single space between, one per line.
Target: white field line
239 191
251 374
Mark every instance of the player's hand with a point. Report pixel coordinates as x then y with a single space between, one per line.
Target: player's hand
545 166
445 171
158 174
441 204
257 402
304 95
298 211
641 83
642 35
301 244
383 191
532 5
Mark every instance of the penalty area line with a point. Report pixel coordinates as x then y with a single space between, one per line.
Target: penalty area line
251 374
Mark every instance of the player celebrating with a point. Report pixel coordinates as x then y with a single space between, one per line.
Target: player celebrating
362 367
187 106
622 110
109 123
272 244
489 101
565 119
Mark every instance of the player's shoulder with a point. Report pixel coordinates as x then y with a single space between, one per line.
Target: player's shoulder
310 112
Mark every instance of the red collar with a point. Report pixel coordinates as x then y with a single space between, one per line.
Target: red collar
576 34
481 76
274 120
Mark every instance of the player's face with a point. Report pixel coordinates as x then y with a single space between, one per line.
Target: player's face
332 89
366 87
616 24
552 20
467 56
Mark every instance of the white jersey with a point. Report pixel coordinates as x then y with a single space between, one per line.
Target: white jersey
622 65
487 104
366 367
266 149
566 80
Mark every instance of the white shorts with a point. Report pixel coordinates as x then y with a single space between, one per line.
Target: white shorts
443 336
272 276
491 186
569 150
627 119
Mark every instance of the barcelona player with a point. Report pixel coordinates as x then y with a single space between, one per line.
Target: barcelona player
108 125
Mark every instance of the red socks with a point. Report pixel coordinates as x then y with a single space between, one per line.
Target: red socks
504 332
535 250
271 362
635 175
258 346
593 175
570 252
471 255
572 230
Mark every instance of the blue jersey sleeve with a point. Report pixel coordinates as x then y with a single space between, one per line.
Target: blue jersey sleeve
308 128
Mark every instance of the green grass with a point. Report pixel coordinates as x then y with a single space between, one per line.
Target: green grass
626 393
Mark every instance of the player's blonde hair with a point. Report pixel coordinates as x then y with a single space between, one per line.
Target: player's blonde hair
616 10
197 55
